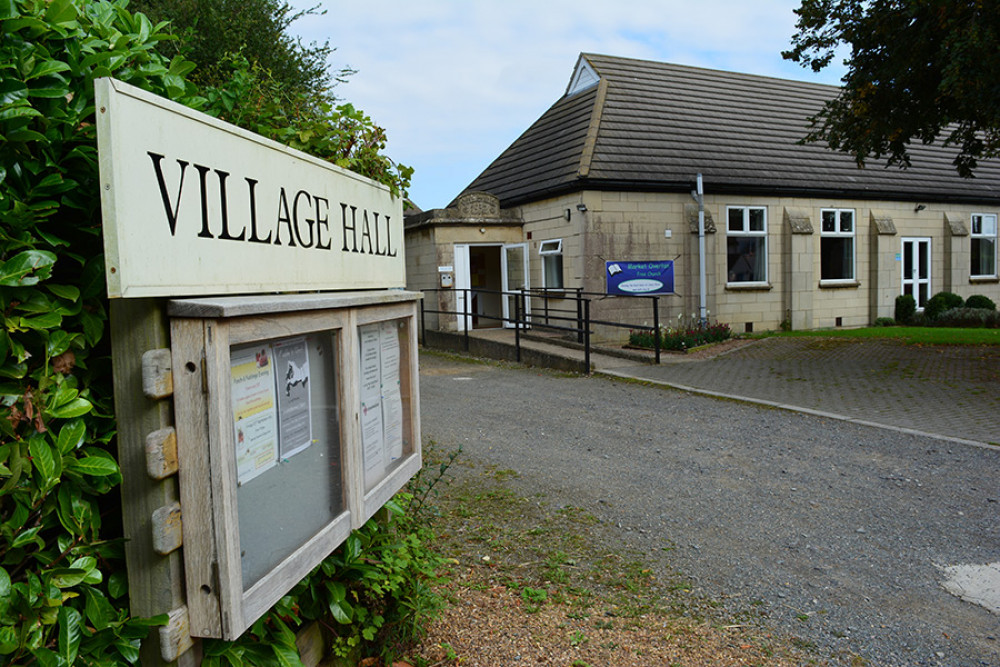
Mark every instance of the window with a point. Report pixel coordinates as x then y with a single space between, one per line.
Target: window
984 246
552 264
746 243
836 245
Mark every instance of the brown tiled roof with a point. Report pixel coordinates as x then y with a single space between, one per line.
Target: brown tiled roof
653 126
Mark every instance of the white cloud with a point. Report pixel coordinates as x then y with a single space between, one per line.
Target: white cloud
455 82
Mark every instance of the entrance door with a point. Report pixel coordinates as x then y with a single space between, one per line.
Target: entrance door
463 282
917 269
514 270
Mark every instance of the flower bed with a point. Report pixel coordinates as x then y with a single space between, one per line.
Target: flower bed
681 338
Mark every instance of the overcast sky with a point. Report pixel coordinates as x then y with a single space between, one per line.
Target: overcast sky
455 82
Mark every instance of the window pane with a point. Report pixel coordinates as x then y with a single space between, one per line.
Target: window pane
977 224
988 225
924 259
847 221
984 255
836 258
552 266
921 295
736 219
829 221
756 220
747 259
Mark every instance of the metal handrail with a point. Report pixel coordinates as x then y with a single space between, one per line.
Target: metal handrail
525 318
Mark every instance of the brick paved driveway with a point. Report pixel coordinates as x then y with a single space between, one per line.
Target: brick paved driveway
951 391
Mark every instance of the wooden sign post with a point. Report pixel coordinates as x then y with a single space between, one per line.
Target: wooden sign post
262 343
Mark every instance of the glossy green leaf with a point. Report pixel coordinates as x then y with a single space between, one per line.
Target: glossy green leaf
75 512
93 327
70 292
26 537
75 408
70 632
59 341
12 90
8 640
26 268
47 67
129 651
42 458
117 585
71 436
41 322
49 87
67 577
95 466
61 11
286 656
12 113
98 610
46 657
8 9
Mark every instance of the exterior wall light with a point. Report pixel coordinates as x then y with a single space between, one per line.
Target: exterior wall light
582 208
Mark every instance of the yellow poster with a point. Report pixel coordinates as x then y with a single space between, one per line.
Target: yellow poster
255 425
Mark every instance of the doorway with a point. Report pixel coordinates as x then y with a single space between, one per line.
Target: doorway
482 273
917 269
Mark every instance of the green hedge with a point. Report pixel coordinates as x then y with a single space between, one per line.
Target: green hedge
63 589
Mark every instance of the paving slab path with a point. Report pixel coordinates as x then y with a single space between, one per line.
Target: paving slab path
837 533
947 390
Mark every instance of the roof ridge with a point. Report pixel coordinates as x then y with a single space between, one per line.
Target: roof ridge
593 59
590 143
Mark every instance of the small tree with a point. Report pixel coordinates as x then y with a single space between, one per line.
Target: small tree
917 71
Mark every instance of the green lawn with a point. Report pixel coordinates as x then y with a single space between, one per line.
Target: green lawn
909 335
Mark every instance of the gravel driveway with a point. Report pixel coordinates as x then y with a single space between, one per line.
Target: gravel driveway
837 532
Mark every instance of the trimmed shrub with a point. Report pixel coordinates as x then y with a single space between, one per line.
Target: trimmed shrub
906 307
885 322
968 318
941 302
980 301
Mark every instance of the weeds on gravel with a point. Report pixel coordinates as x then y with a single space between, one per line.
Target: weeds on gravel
564 561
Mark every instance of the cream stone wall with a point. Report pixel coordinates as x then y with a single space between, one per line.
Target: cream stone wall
421 266
632 226
433 246
659 226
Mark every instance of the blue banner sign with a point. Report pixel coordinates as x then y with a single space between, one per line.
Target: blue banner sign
639 278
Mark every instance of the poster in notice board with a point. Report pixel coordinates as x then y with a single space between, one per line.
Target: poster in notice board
381 400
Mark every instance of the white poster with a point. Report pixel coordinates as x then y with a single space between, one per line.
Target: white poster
392 401
291 361
255 424
372 440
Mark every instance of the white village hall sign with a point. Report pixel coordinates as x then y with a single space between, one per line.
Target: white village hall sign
196 206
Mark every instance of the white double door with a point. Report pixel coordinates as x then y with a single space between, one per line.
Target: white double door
513 277
917 269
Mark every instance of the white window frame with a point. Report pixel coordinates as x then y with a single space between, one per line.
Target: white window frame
839 233
550 249
988 235
747 232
